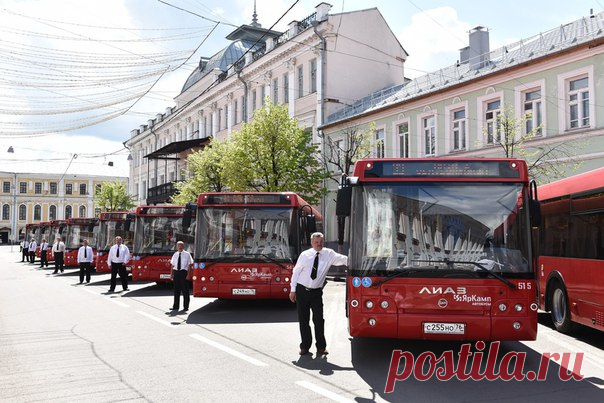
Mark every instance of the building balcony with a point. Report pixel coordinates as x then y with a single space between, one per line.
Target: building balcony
161 194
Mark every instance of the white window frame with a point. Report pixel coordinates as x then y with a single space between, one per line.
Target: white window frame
450 127
431 132
300 81
402 149
379 136
313 75
481 109
564 93
519 104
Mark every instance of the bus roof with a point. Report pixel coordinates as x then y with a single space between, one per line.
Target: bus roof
113 215
257 199
441 169
160 210
575 184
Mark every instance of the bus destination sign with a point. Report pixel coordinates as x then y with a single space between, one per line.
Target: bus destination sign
246 198
443 168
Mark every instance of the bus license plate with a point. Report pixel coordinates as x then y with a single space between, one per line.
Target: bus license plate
244 291
164 276
444 328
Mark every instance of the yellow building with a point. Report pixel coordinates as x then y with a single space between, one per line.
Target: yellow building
35 197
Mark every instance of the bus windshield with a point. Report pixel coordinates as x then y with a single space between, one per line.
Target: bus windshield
111 229
77 234
245 233
158 235
440 229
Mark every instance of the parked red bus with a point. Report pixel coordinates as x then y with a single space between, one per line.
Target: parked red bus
32 230
44 233
112 224
571 253
247 243
56 229
79 229
440 249
157 229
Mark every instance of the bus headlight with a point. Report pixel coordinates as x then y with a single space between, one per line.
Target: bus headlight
518 307
203 279
287 279
354 303
211 278
372 322
516 325
194 278
369 304
277 279
502 307
384 304
534 307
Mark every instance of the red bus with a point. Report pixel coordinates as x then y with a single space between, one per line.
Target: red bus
56 229
157 229
32 230
44 234
112 224
571 253
247 243
79 229
440 249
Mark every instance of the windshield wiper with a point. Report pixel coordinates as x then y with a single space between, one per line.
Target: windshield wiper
451 264
269 258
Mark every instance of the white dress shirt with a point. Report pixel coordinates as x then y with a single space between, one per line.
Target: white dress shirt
43 246
25 245
32 245
186 260
58 247
124 256
89 254
303 268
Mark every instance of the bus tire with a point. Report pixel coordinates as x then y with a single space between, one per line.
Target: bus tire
559 309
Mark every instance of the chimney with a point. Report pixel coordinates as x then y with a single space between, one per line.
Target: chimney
479 48
322 11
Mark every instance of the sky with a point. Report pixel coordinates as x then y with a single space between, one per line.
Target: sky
76 76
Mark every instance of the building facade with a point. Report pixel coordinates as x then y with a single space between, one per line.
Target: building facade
551 83
35 197
310 67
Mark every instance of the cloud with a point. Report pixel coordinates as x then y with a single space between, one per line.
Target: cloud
433 40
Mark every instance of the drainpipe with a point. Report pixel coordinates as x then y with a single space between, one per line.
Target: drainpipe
321 118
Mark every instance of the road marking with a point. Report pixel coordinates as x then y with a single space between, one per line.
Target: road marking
323 392
163 322
229 350
116 302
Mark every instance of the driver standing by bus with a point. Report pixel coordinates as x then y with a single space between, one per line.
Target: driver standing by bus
308 280
118 257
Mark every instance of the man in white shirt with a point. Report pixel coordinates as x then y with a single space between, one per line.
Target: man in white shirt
182 262
58 251
118 257
25 250
308 279
32 251
85 256
43 253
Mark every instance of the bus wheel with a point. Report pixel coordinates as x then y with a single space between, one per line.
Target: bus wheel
560 311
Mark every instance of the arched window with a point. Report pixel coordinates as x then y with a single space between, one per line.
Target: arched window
6 212
37 212
23 212
52 212
82 212
67 212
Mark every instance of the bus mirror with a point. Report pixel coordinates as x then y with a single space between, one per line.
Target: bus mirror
311 222
535 212
186 218
343 201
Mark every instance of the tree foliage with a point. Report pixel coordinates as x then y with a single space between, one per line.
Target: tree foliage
113 196
273 154
205 168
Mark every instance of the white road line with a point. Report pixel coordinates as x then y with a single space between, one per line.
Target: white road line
116 302
229 350
163 322
324 392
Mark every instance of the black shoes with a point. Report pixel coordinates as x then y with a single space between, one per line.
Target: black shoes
322 351
304 351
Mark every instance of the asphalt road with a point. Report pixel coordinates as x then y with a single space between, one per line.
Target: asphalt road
60 341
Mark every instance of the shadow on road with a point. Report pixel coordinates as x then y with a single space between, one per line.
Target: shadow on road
243 311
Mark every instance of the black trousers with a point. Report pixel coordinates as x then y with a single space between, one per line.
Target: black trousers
43 258
118 268
307 301
59 262
32 256
85 269
25 253
180 286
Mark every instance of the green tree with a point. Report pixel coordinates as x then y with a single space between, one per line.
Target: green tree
273 154
113 196
205 172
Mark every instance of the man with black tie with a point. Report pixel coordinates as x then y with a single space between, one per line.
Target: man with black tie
43 253
32 250
58 251
25 250
308 279
182 262
85 261
119 256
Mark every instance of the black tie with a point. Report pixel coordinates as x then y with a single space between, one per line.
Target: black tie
178 264
315 267
118 251
85 251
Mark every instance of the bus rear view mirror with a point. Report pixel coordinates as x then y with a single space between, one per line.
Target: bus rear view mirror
343 201
311 222
534 206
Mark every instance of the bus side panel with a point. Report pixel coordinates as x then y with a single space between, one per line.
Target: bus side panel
152 268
